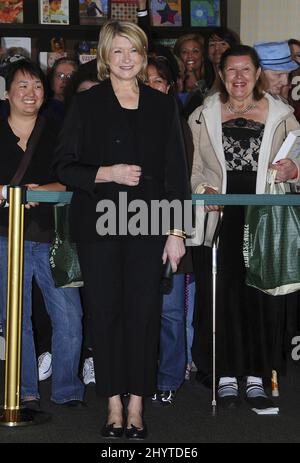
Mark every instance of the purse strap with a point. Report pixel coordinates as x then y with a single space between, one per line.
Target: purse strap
31 146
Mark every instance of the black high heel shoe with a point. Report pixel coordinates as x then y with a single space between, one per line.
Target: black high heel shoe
110 432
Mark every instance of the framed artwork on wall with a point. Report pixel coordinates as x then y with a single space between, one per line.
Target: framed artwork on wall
11 11
93 12
123 10
205 13
54 12
166 13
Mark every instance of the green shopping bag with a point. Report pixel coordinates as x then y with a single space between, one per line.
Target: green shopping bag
63 257
272 248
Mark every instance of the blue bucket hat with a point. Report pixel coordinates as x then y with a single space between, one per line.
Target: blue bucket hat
275 56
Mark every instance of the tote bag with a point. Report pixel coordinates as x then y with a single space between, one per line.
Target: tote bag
272 245
63 257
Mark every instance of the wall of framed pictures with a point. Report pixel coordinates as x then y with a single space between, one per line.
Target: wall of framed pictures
80 20
195 13
85 16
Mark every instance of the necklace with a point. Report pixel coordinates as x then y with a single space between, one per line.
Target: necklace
245 110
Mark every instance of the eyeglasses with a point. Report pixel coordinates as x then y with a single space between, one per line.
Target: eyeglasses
63 76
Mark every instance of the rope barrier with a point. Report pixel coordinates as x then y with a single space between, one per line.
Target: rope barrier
221 200
246 200
49 196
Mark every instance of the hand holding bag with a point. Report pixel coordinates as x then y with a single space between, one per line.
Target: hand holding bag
166 283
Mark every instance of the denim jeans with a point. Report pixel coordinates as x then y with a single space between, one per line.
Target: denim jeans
64 308
189 317
172 357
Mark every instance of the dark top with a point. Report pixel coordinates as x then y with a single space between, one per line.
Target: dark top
97 132
54 110
39 223
132 121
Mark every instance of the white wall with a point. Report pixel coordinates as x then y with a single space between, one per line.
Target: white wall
267 20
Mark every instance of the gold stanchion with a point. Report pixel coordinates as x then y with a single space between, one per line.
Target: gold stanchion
11 414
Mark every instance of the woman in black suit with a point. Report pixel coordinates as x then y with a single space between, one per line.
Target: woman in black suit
123 138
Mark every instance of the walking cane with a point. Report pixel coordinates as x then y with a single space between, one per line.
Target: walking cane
215 243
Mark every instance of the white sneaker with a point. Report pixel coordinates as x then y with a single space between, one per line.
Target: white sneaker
88 371
45 366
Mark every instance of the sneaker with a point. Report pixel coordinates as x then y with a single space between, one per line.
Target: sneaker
88 371
45 366
164 398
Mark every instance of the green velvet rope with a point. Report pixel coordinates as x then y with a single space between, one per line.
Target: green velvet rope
221 200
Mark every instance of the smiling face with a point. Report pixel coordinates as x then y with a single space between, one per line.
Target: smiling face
124 60
26 94
239 76
191 55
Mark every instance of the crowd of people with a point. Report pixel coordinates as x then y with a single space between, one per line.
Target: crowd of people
152 125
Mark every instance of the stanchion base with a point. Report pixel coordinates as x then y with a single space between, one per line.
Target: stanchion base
22 417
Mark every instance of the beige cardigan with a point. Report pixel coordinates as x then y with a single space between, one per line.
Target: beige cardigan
209 161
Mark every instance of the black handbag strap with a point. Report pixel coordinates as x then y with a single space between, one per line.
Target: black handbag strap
31 146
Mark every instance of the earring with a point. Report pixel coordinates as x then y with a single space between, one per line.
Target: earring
6 95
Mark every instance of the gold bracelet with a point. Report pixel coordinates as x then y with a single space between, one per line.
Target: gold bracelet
177 232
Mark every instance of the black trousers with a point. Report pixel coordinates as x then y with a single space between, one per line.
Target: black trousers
41 322
122 279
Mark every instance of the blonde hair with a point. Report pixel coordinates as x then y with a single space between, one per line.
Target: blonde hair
125 29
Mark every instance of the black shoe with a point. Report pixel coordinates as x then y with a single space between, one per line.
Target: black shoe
110 432
136 433
74 404
228 396
229 402
163 398
204 379
257 398
33 404
260 403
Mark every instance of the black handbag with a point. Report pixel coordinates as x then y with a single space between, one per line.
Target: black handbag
166 282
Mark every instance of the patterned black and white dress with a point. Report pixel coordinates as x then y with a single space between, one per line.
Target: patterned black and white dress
249 322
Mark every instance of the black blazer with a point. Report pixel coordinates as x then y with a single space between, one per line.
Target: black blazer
96 133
